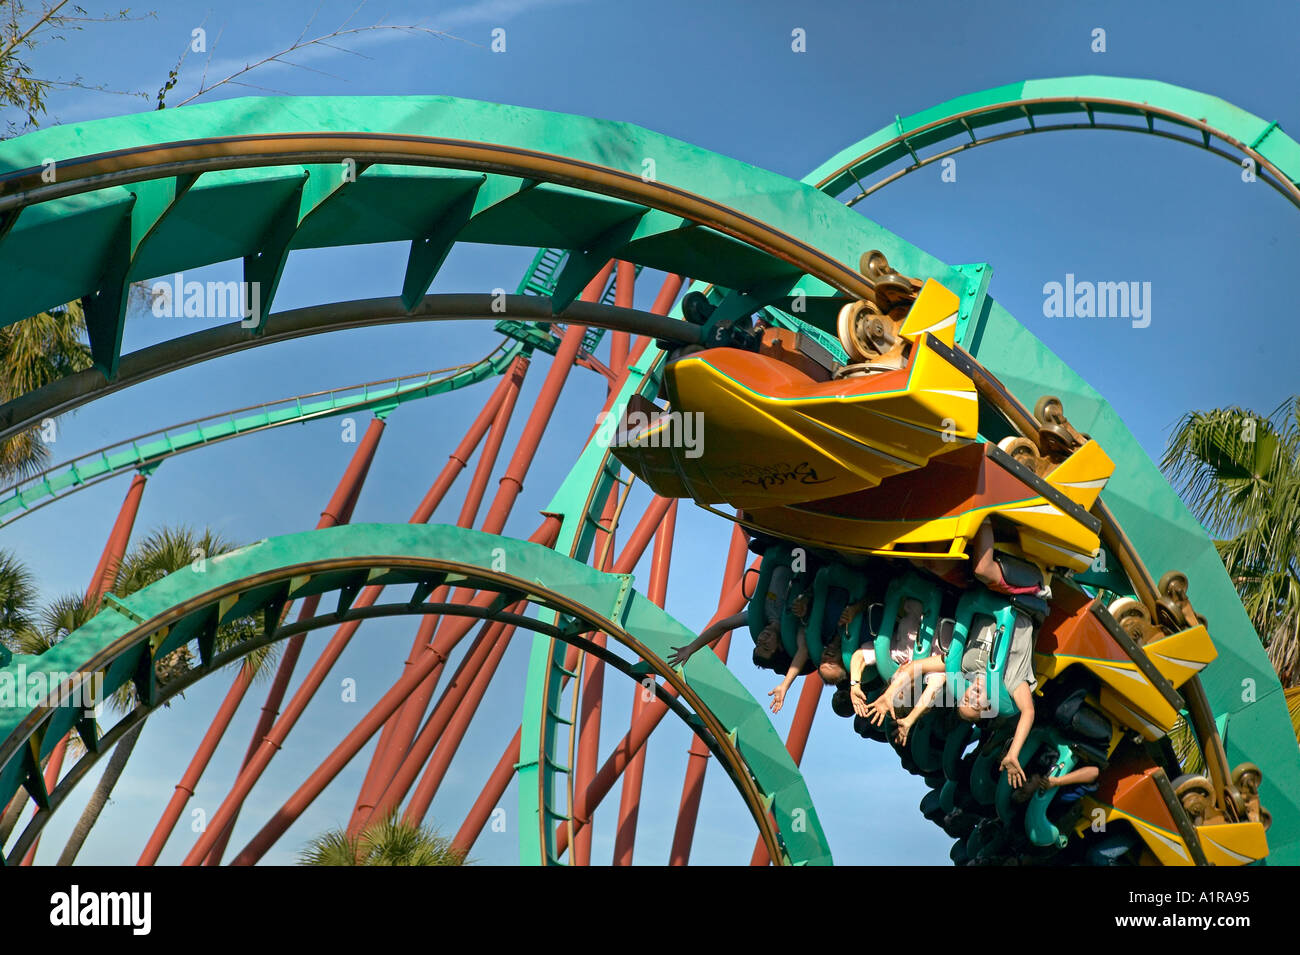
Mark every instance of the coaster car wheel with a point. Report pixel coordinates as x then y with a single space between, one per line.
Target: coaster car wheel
1196 793
1246 780
1132 617
1246 777
1023 451
890 286
1055 441
696 308
1049 410
1173 585
865 333
1173 598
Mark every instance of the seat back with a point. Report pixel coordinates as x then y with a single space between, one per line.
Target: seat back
834 576
913 586
773 556
976 603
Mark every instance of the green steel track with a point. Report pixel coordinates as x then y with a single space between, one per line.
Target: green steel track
1057 105
134 198
147 451
257 581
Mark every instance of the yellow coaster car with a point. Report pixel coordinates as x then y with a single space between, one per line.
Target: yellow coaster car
1074 635
757 429
1132 794
932 512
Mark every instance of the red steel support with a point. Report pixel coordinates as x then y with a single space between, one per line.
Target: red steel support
451 738
101 581
494 789
480 660
387 755
369 595
501 776
351 744
631 743
629 808
508 489
456 462
624 292
439 722
698 761
390 753
337 511
459 459
663 302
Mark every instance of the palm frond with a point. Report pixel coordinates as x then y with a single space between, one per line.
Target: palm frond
1239 473
390 841
33 353
17 595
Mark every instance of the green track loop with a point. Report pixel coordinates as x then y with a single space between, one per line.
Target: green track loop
125 639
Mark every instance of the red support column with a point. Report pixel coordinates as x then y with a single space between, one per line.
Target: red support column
508 489
624 293
106 571
101 581
492 791
796 741
629 808
369 595
450 740
505 769
635 547
337 511
351 744
489 645
698 761
593 689
440 722
459 459
387 756
636 737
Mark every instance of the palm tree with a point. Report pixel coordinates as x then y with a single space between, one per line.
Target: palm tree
37 632
163 552
388 841
1240 474
33 353
17 597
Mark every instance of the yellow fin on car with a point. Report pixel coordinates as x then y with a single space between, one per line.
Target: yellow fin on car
934 312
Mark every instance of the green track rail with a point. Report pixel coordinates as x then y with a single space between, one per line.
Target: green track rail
1057 105
149 450
124 640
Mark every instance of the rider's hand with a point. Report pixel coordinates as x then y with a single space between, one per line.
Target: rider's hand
859 700
1015 775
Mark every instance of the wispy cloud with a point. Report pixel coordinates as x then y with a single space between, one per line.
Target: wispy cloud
457 22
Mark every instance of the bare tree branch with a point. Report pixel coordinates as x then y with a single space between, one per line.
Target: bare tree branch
40 21
301 44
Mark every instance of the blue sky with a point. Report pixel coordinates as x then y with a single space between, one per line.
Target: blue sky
1219 253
